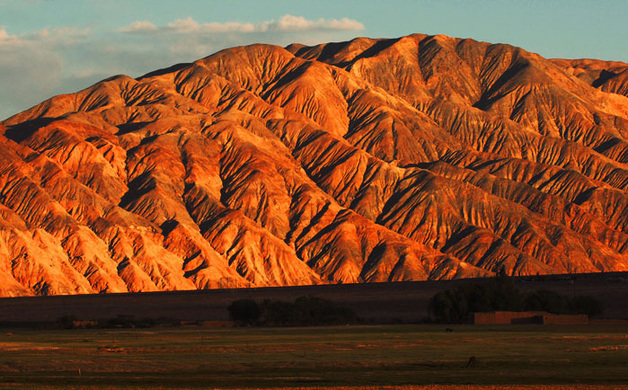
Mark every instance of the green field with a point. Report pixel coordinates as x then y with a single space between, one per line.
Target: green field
314 357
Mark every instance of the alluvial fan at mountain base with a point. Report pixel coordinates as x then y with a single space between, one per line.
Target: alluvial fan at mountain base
374 160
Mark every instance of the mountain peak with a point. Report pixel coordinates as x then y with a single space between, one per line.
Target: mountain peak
372 160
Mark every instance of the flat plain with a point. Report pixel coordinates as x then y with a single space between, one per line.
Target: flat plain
411 356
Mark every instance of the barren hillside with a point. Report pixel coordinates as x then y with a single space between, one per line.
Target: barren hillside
423 157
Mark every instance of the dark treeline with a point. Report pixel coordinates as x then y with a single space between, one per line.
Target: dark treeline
500 294
304 311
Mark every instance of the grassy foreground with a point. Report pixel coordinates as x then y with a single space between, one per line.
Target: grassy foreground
371 356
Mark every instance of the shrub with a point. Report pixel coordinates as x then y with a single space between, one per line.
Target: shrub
546 300
500 294
67 321
456 305
245 311
277 313
318 311
304 311
583 304
450 306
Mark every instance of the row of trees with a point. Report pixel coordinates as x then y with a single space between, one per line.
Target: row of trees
500 294
304 311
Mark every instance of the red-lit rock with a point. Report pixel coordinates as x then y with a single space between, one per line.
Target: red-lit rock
424 157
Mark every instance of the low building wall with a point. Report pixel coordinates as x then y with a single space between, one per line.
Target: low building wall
565 319
503 317
528 317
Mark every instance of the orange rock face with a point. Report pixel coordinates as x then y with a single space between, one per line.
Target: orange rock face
424 157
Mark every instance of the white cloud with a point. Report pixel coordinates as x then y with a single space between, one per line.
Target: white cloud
32 66
30 71
299 23
59 33
345 24
141 26
284 24
38 64
184 26
7 39
46 36
229 27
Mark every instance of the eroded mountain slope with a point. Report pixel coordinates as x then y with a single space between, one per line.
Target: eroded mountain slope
423 157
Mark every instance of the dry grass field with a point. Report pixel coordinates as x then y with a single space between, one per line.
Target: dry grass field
518 357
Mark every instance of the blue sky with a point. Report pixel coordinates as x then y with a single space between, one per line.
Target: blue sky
49 47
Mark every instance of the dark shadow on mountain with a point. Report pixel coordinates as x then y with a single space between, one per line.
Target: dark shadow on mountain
377 48
284 80
330 50
168 226
170 69
139 186
126 128
20 132
491 96
604 76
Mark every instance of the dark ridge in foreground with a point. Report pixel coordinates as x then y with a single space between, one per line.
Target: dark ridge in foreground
375 303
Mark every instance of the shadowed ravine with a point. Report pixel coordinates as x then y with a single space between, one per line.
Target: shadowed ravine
423 157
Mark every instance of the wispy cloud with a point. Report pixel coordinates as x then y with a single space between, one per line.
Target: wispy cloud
38 64
284 24
189 25
30 67
48 36
59 34
6 38
299 23
141 26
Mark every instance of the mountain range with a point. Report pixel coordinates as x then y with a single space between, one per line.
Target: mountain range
373 160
